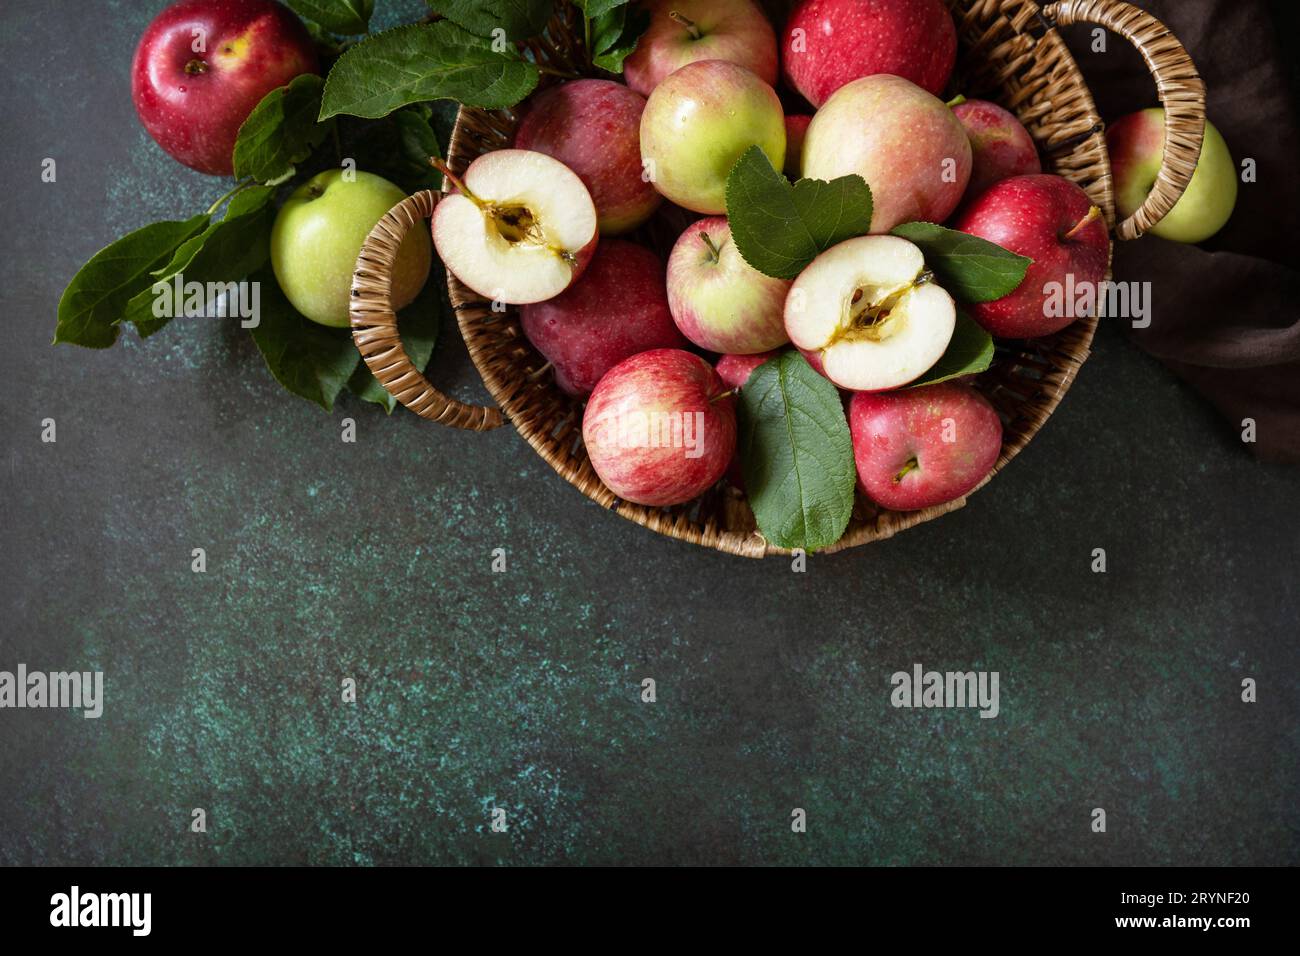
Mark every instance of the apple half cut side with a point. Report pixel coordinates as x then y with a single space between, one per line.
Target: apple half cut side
872 314
520 228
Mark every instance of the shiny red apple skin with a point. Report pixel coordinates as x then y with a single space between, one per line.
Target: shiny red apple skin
1051 221
252 47
734 370
844 40
619 307
903 461
1000 146
594 128
678 386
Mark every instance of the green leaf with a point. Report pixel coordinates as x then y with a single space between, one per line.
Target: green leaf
281 131
91 306
796 454
780 228
226 251
970 351
424 62
971 269
308 359
520 19
418 326
598 8
614 35
346 17
417 144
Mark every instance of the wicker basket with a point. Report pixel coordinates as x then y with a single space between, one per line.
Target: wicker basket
1009 51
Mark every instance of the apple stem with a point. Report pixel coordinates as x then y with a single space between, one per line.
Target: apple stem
1094 213
239 187
441 166
911 465
690 26
721 395
957 100
714 254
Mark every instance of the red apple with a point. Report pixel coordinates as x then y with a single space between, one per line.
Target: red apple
923 446
796 128
659 427
201 67
829 43
684 31
594 128
1051 221
1000 147
718 300
734 370
903 141
617 309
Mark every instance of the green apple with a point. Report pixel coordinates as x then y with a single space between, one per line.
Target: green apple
319 233
1137 144
698 122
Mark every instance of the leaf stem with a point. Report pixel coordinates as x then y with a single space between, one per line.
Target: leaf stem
238 188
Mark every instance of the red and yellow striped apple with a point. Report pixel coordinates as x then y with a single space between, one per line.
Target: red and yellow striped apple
699 121
660 427
718 300
903 141
686 31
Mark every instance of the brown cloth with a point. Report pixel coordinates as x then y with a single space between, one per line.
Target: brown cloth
1226 314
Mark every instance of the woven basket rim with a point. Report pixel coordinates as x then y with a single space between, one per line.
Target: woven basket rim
516 395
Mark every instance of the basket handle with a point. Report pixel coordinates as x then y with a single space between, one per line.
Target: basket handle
1181 92
374 324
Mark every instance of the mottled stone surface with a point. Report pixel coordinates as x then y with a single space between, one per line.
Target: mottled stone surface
521 690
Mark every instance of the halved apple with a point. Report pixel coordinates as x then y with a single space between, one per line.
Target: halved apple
520 228
869 310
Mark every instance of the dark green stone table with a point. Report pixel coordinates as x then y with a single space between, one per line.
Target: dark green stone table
522 690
